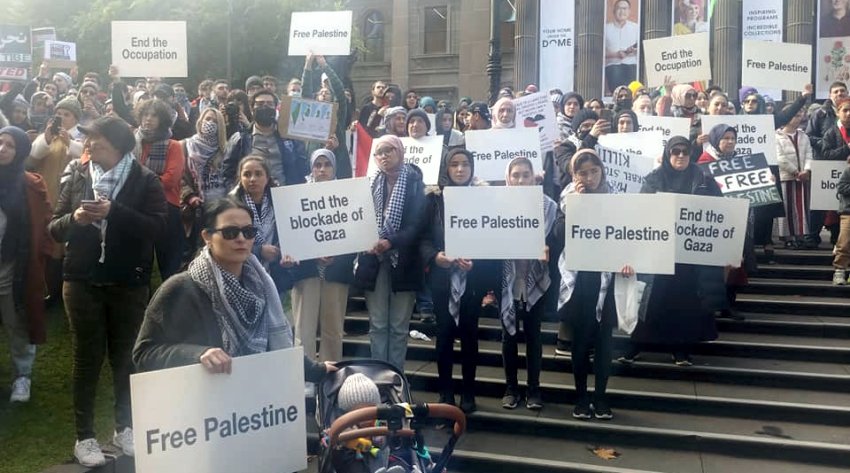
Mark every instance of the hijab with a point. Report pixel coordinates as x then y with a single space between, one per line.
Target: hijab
679 182
623 104
496 123
714 137
321 153
12 195
445 180
615 124
588 154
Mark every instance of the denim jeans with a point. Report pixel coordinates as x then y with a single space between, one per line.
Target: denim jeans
389 318
15 321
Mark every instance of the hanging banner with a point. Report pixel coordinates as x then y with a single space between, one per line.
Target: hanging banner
642 143
825 176
756 133
710 230
494 149
668 126
15 52
320 32
763 21
786 66
536 111
150 48
681 59
557 45
833 45
426 153
621 55
746 177
60 54
690 16
624 171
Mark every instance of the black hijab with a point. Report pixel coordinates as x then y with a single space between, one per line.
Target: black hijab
715 135
615 127
679 182
444 179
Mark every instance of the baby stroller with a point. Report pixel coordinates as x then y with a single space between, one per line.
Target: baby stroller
397 423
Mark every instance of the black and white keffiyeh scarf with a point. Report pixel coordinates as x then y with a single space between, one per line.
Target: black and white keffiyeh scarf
158 151
249 312
201 162
389 212
106 185
262 217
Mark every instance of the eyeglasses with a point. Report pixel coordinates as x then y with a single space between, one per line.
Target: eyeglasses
230 233
678 152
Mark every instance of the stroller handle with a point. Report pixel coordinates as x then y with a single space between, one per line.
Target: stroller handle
338 430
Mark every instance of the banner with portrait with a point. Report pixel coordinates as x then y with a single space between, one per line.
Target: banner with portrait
622 44
833 45
690 16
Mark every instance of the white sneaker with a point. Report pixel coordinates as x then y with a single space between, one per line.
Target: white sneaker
88 453
124 441
21 389
839 278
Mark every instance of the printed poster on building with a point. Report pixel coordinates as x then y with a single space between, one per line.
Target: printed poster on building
621 52
691 16
763 21
833 45
557 45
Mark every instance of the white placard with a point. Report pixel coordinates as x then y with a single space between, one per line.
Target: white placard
668 126
557 45
710 231
494 149
536 111
484 222
762 20
60 53
321 219
426 153
785 66
321 32
150 48
683 59
605 232
825 176
187 419
756 133
625 172
643 143
432 117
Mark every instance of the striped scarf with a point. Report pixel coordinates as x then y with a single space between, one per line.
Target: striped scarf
389 211
262 218
158 148
106 185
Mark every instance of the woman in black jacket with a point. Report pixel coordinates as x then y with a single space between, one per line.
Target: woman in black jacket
391 272
458 285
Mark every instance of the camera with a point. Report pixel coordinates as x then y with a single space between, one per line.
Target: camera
56 125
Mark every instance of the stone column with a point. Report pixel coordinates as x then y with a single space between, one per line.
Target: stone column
525 44
726 52
590 50
656 15
494 56
799 28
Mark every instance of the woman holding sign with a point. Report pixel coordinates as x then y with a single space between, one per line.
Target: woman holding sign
391 272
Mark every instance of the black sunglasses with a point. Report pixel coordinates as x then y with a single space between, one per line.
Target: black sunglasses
230 233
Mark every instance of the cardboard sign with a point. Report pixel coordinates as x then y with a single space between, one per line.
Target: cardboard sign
746 177
150 48
710 230
257 410
606 232
642 143
321 32
756 133
60 53
668 126
681 58
305 119
494 222
323 219
536 111
494 149
625 172
825 176
785 66
426 153
15 52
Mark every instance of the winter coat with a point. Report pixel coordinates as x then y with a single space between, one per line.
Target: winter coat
833 146
793 159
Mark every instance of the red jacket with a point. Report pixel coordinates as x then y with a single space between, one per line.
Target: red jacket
39 250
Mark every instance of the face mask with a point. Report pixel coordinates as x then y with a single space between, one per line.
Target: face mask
295 93
209 128
264 116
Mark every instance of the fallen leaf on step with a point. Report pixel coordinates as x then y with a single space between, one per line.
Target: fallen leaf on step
605 453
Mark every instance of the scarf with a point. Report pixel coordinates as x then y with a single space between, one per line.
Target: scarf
158 140
262 218
389 212
201 150
249 313
457 276
107 185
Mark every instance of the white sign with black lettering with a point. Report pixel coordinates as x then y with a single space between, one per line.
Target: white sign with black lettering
825 176
426 153
536 111
494 149
320 32
710 231
257 410
785 66
756 133
321 219
668 126
642 143
625 172
150 48
682 59
605 232
484 222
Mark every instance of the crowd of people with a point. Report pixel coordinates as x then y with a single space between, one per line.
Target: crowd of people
99 177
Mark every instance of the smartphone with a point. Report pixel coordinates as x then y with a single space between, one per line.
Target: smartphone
55 125
91 202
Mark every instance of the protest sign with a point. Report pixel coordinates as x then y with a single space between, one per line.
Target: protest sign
536 111
683 59
756 133
746 177
257 410
305 119
484 222
15 52
825 176
150 48
642 143
322 219
763 20
432 118
40 35
494 149
557 44
785 66
426 153
320 32
60 54
625 171
605 232
668 126
710 230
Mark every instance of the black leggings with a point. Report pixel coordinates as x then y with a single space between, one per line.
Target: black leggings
467 330
533 345
587 334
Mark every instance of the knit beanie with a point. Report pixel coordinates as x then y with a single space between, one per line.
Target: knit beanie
418 112
582 116
66 78
70 104
358 391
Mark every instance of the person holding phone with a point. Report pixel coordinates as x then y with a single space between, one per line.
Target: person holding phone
587 127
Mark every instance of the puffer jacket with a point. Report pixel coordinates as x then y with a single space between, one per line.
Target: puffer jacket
793 159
